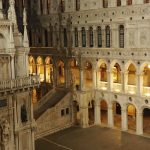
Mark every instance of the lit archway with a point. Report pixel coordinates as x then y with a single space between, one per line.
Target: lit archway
32 66
104 112
131 81
146 121
131 113
49 69
88 75
146 80
116 78
40 68
60 72
102 76
75 72
117 114
91 108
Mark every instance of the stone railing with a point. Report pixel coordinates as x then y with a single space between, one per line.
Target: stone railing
102 85
131 89
17 83
117 87
146 91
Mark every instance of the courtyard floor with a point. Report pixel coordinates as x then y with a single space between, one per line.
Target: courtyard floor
93 138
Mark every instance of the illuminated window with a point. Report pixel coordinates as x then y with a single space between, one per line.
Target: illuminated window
107 36
121 36
99 33
83 37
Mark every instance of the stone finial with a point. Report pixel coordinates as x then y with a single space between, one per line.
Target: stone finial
25 37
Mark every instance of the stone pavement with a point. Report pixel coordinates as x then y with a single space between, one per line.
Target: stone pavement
93 138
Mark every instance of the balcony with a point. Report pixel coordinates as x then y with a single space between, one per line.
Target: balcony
117 87
19 83
102 85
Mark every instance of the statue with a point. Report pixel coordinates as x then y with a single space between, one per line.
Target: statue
5 131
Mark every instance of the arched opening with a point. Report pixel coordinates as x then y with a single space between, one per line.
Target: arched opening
32 66
88 75
118 2
60 73
146 121
102 76
104 112
76 37
76 113
131 112
117 114
40 68
116 77
34 96
75 73
91 108
131 87
107 30
49 70
146 81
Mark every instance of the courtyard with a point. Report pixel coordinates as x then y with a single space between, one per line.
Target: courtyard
93 138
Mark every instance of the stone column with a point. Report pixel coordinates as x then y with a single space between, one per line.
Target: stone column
123 2
139 84
87 37
73 37
108 80
97 114
55 72
95 40
103 37
122 82
94 78
79 37
67 78
85 118
114 35
110 115
139 122
44 72
124 118
125 81
81 79
12 67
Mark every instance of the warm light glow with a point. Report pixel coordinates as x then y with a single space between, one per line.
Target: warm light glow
149 66
104 88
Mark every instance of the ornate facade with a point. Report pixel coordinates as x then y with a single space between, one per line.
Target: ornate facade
17 124
104 47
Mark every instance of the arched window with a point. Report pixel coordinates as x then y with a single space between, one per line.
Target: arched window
83 37
118 2
99 36
62 5
65 37
105 3
76 37
146 1
129 2
91 36
107 36
77 5
121 36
